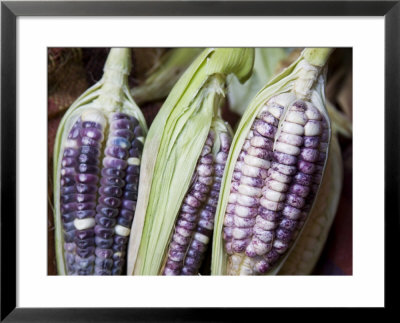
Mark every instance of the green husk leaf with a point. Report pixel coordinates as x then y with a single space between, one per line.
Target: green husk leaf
299 261
110 94
163 76
172 148
283 82
265 63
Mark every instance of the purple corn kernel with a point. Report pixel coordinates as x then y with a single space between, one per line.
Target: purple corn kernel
107 211
122 124
105 222
103 243
103 232
283 158
295 201
112 162
116 152
92 133
86 252
104 253
288 224
120 241
112 181
284 235
84 234
85 188
309 154
303 179
264 128
84 243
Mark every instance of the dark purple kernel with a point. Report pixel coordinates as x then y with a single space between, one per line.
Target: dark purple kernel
69 236
85 188
116 272
102 272
131 179
85 168
91 124
174 265
67 180
83 214
134 152
85 243
118 248
303 179
68 217
107 211
112 181
85 198
112 191
102 263
288 224
137 144
272 256
264 129
119 142
69 226
138 132
84 234
119 263
117 152
130 195
130 205
105 222
68 198
131 187
85 252
120 240
103 232
300 190
127 214
104 253
124 222
113 172
66 208
68 190
104 243
284 235
84 272
133 169
188 271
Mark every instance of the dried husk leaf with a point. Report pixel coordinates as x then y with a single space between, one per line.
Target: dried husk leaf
172 148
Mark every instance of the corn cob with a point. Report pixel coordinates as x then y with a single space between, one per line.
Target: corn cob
96 173
309 245
183 162
273 170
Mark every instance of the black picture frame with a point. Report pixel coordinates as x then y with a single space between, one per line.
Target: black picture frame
10 10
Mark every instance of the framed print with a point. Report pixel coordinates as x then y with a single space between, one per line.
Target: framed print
205 139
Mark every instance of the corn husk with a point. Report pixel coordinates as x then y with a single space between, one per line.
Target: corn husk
172 148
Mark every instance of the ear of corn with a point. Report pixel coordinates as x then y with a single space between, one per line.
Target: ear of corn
96 171
273 170
163 76
308 247
178 161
